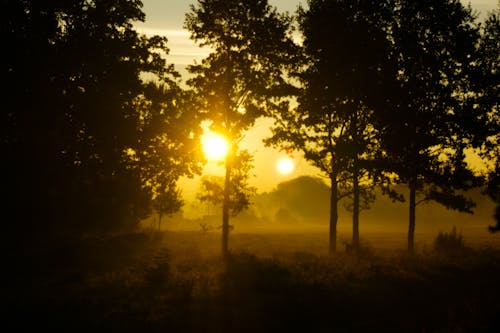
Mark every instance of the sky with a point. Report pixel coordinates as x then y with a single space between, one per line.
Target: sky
166 17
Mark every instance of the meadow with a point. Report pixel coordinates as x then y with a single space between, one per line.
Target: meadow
175 281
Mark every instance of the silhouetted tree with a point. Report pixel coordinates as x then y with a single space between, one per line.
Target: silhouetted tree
425 129
243 75
487 84
345 51
167 143
167 203
213 187
493 191
77 135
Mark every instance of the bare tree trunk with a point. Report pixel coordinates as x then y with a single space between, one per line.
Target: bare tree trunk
159 221
355 209
225 211
333 215
412 209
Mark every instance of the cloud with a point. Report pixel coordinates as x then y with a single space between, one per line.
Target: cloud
183 50
150 31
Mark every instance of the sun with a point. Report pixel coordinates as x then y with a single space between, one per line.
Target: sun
285 166
215 146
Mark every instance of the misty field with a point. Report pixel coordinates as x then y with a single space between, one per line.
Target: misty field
177 282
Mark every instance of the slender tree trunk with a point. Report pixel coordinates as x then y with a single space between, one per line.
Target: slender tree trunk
412 209
355 209
159 221
333 215
225 211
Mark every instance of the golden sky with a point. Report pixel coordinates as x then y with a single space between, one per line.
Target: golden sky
166 17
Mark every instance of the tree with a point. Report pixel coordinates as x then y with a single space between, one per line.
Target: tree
167 143
167 203
345 47
493 191
77 135
487 84
243 76
425 135
213 187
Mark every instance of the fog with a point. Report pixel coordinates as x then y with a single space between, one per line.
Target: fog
301 206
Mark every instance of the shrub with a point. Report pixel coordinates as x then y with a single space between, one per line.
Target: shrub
451 243
365 249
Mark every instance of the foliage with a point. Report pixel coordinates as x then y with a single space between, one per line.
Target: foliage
449 243
85 139
345 54
367 198
425 137
212 187
242 78
337 76
243 75
489 90
424 127
167 203
485 82
162 287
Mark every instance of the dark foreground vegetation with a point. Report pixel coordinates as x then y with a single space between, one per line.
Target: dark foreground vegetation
97 128
172 282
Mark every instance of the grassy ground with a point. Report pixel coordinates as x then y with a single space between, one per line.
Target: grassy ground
175 282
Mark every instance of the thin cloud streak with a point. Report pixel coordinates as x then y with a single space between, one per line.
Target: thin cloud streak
183 50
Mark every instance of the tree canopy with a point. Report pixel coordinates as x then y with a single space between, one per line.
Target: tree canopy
345 52
425 131
97 130
86 139
244 76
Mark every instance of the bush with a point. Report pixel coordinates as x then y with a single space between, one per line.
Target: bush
365 249
451 243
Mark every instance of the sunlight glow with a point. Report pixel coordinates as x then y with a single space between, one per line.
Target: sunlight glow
285 166
215 146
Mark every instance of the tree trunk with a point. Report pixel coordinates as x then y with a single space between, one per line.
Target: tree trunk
355 208
412 209
225 211
159 221
333 215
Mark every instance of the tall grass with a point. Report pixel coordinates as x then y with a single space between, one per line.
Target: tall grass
172 285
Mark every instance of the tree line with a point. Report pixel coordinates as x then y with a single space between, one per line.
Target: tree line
97 129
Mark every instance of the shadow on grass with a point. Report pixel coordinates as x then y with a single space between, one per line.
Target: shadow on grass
130 284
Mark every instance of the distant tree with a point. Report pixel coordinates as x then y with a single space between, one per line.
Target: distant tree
243 76
283 215
304 197
167 203
77 135
425 131
345 51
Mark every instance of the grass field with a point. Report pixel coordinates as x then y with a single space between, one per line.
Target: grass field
273 282
265 240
